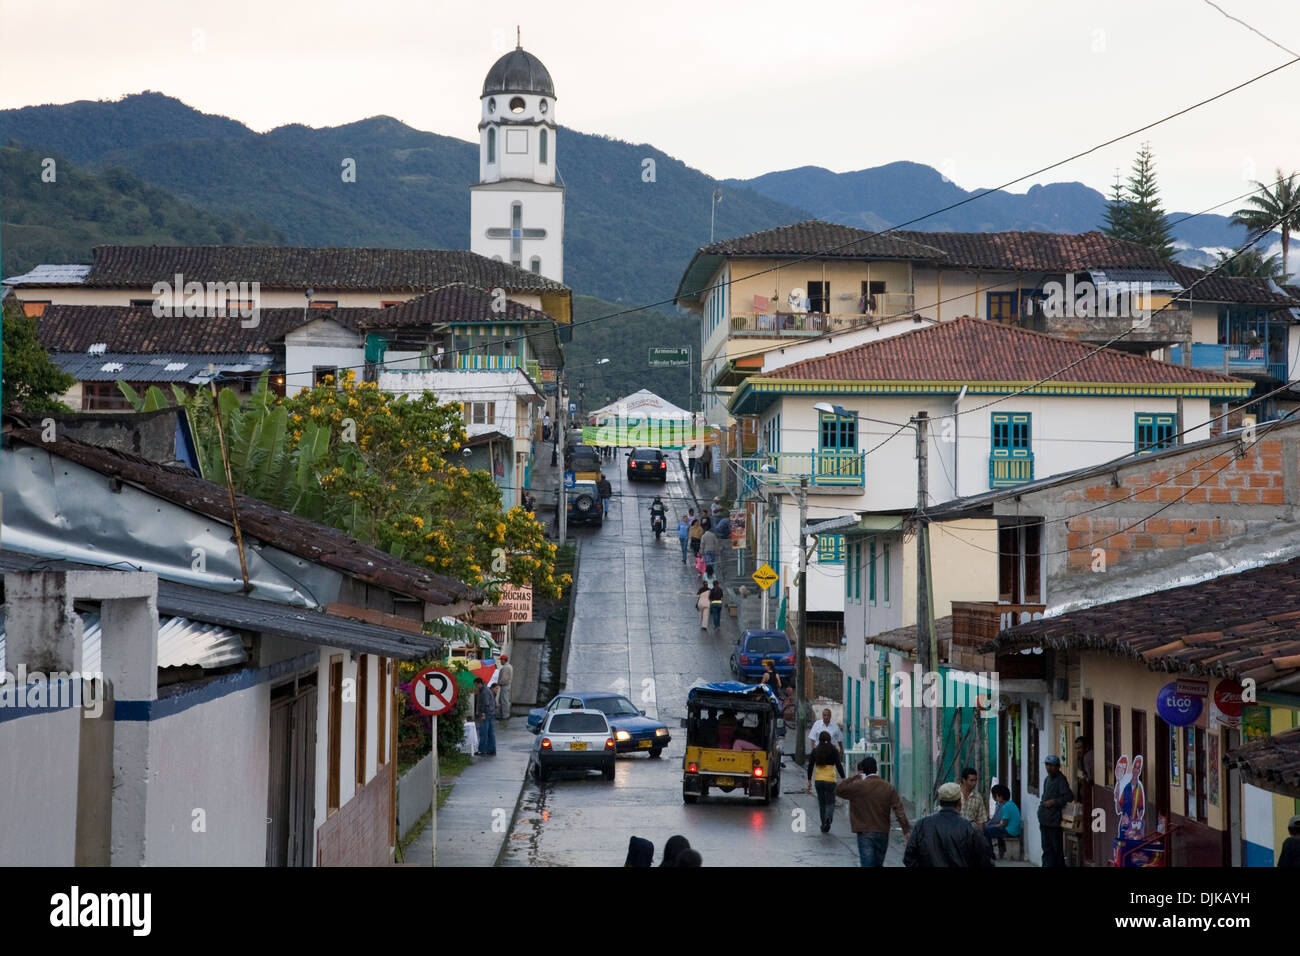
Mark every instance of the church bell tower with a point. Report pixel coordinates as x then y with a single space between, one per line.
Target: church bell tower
516 211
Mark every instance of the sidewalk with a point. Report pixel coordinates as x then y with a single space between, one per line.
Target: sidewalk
474 821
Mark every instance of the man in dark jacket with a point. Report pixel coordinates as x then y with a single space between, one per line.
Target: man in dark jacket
947 838
1056 794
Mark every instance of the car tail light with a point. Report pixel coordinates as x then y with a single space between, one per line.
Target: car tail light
692 768
758 771
744 658
609 743
663 464
546 743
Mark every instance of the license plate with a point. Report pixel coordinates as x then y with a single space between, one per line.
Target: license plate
645 744
724 781
578 745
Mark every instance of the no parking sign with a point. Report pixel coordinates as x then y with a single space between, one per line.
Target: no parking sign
433 692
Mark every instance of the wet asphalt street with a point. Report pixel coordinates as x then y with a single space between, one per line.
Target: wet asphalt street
636 632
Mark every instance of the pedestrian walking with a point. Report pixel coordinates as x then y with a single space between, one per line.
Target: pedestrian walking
871 800
683 535
606 491
673 849
823 766
831 727
702 604
1056 794
715 511
691 461
946 838
546 427
505 678
715 605
772 679
485 711
706 461
974 806
695 534
709 545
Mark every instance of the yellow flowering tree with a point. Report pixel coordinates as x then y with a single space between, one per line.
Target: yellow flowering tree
392 477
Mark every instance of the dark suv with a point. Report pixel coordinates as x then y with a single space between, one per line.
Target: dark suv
647 463
755 647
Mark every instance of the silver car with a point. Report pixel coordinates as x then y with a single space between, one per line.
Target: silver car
574 740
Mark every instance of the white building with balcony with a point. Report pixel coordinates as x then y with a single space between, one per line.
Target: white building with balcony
1005 406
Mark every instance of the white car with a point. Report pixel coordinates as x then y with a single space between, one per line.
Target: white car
574 740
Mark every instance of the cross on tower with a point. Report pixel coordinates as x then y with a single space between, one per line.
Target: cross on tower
516 234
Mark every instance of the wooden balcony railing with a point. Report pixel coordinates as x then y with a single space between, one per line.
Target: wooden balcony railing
975 623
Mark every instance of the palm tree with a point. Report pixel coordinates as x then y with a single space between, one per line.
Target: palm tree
1273 207
1250 264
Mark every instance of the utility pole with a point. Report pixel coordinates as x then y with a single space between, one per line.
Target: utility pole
801 702
924 616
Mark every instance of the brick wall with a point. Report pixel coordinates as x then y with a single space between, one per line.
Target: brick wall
1196 516
357 834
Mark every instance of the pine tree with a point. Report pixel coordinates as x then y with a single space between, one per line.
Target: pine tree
1144 219
1116 225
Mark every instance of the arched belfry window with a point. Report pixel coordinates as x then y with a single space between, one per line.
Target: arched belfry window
492 145
535 264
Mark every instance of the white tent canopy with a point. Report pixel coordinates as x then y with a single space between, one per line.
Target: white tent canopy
640 406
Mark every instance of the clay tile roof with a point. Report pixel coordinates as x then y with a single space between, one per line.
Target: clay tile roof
1036 251
1236 625
1011 251
453 303
287 267
258 520
75 328
827 240
1221 288
976 350
1270 763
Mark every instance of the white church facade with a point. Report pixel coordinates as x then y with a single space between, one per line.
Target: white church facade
517 208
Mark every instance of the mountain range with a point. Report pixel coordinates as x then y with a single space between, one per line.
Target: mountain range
628 234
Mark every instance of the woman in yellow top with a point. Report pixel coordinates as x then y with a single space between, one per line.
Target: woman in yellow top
823 766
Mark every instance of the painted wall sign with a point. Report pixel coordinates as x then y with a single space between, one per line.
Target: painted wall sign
1193 687
1176 708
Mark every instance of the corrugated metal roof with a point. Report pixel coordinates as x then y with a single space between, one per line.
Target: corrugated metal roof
181 643
1157 279
262 616
52 274
104 366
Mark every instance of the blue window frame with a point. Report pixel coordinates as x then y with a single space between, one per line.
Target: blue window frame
853 572
884 567
1011 459
838 433
1001 306
830 549
1152 432
871 572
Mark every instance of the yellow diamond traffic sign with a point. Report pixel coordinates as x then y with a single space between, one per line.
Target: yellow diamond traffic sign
765 577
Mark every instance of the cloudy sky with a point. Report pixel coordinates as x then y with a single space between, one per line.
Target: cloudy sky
983 91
